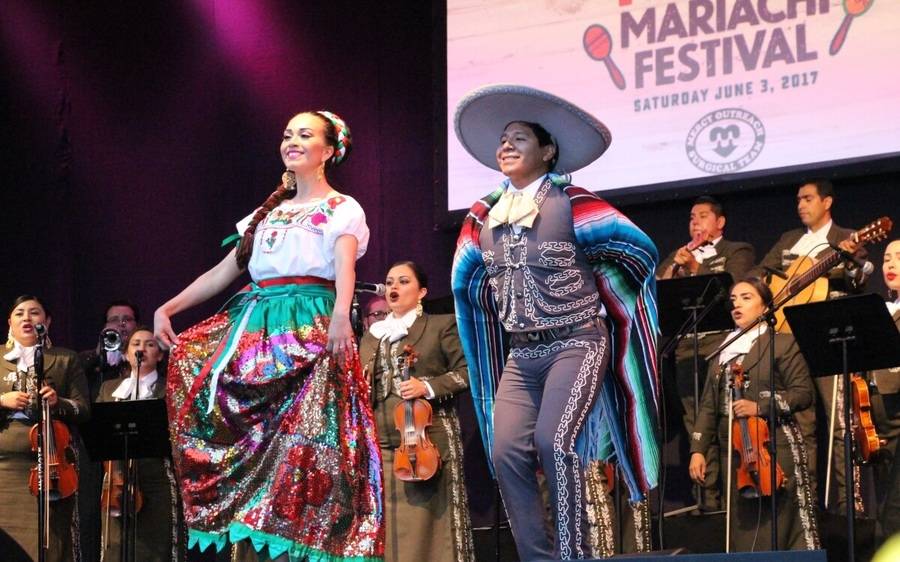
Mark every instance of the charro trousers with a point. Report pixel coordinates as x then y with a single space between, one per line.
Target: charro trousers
543 400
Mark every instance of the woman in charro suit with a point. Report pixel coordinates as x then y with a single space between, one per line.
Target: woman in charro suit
160 535
794 398
66 392
884 386
426 520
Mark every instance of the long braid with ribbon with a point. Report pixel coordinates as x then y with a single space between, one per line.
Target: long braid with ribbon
286 190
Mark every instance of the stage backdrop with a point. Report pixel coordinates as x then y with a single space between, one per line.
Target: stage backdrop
693 92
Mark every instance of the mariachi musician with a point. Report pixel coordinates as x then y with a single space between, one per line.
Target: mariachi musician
426 519
707 252
748 509
886 406
818 235
160 531
66 392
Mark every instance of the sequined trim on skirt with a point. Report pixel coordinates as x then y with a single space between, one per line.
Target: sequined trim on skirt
279 446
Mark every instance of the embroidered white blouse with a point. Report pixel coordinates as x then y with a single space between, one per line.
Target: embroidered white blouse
298 239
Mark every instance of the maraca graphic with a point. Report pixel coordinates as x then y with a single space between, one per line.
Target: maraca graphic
598 44
852 8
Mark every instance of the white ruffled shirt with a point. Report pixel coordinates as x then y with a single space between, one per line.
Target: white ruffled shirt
395 329
742 345
298 239
22 356
145 386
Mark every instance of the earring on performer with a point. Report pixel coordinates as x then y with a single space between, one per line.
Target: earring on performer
320 172
10 343
419 309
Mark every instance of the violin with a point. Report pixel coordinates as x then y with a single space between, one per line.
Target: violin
60 475
867 441
112 496
750 439
416 458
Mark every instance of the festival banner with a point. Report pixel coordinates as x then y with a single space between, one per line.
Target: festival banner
690 89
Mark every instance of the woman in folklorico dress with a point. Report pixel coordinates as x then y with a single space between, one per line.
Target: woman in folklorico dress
272 434
426 520
794 396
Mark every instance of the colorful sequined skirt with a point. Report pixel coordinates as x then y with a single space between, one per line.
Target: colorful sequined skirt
272 440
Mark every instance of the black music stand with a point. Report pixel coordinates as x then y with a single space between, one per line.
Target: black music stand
687 306
679 299
131 429
143 424
839 336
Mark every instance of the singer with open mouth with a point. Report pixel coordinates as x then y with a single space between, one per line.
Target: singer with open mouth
273 437
66 393
426 516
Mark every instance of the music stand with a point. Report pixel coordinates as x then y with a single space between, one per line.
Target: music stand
143 423
131 429
678 299
687 306
839 336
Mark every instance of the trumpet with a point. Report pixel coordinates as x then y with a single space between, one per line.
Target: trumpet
110 340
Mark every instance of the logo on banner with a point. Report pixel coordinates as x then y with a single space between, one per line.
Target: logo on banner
725 140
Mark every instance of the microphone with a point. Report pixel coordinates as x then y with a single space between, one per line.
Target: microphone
41 330
138 358
374 288
861 274
775 272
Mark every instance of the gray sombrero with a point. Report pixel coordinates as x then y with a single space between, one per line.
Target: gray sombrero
484 112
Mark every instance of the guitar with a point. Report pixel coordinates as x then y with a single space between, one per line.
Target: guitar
805 284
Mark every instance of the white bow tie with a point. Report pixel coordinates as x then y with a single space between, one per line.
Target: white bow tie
514 208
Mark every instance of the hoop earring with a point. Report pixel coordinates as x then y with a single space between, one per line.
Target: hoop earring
419 309
320 172
9 340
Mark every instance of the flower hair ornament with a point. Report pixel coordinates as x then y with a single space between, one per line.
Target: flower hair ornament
342 134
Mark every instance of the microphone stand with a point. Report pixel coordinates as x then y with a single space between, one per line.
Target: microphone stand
356 316
129 522
690 326
769 318
43 492
770 321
